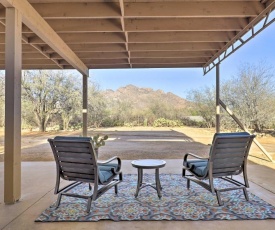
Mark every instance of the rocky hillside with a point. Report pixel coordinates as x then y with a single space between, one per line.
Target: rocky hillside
144 97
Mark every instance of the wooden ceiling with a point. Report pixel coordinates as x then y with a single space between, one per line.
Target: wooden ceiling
136 33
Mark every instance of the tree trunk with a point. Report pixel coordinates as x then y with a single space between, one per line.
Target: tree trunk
257 128
42 127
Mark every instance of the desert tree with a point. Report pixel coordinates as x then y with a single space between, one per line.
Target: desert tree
42 89
70 99
251 95
97 106
203 104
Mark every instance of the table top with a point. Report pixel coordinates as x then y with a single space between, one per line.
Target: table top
148 163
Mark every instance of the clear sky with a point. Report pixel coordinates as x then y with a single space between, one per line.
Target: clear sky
180 81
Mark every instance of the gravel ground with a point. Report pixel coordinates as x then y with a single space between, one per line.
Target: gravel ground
136 143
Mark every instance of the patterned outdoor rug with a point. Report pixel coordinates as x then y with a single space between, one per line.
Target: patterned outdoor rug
177 203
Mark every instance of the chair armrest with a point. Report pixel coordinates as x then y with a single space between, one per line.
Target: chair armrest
110 160
107 161
193 155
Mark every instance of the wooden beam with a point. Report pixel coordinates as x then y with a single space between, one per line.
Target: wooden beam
171 54
36 47
88 9
72 38
147 37
81 25
99 47
38 67
34 62
26 56
182 65
100 61
121 5
167 60
78 10
39 26
13 63
3 13
27 48
193 9
230 48
110 66
180 46
96 55
2 27
185 24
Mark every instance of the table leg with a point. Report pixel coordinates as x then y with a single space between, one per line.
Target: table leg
158 186
139 183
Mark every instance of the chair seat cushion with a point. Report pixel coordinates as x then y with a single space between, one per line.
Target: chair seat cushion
198 167
105 171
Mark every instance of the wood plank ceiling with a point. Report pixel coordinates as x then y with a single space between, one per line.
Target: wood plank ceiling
136 33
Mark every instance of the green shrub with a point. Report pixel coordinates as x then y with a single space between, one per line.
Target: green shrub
162 122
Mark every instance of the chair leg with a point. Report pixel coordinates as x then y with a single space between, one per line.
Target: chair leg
58 200
116 190
188 183
89 203
183 172
219 198
245 194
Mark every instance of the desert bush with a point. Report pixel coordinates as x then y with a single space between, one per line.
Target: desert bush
162 122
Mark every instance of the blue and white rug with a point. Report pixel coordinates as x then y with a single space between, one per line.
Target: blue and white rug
177 203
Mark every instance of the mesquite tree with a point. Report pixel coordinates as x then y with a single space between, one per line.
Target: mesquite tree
41 88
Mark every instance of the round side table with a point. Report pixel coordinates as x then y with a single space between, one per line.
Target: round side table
148 164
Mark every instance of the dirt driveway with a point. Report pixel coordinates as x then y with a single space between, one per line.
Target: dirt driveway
135 143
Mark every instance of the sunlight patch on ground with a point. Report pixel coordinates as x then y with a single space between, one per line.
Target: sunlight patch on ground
172 140
113 138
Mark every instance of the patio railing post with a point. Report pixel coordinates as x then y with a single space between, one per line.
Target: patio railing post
217 98
13 65
85 105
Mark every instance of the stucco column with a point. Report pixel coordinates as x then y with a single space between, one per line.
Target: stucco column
13 62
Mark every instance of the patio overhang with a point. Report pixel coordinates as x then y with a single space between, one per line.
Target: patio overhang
103 34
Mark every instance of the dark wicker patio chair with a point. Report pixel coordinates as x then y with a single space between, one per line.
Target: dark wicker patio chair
76 161
228 157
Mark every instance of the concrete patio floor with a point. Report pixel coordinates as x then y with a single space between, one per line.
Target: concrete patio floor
38 180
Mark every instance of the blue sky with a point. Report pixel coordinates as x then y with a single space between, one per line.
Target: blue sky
180 81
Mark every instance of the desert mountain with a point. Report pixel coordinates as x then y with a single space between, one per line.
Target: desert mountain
141 98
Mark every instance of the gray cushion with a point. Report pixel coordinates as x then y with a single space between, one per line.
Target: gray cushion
198 167
105 171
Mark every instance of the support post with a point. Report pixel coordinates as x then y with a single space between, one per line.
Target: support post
217 98
13 62
85 105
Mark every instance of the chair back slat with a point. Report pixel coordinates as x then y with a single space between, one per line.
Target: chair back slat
77 169
82 148
74 155
228 161
75 158
226 165
229 153
78 177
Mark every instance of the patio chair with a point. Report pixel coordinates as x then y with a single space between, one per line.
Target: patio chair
76 161
227 157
